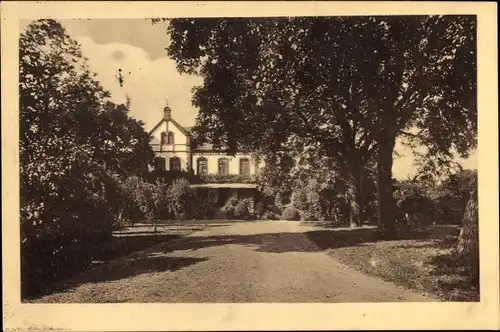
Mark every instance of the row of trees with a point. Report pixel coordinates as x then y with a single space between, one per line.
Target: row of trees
343 88
76 149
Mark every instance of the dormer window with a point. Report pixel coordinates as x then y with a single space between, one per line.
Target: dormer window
170 138
167 138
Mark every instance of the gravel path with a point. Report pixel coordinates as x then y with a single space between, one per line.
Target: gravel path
267 261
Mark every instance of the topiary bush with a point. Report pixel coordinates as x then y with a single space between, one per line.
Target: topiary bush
290 213
241 210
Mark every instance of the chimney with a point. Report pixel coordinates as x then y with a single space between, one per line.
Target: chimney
167 113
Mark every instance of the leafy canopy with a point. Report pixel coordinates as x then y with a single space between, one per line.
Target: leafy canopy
349 84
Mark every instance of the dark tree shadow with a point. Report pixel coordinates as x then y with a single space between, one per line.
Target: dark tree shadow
311 241
132 242
456 274
42 283
155 260
142 264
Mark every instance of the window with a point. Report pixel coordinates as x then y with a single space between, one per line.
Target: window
202 166
223 166
170 138
160 163
163 138
244 166
175 164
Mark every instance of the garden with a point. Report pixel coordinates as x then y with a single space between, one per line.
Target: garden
85 173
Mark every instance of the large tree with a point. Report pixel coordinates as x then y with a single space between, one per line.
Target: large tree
73 141
352 85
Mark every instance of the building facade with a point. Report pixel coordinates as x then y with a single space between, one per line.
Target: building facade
175 151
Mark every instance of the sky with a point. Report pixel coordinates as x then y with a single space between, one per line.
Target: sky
137 47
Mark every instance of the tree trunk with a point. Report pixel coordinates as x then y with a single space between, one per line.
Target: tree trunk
468 240
353 195
386 205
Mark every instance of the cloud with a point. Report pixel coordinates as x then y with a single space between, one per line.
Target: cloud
149 83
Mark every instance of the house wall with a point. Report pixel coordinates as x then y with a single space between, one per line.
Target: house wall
180 148
183 156
213 162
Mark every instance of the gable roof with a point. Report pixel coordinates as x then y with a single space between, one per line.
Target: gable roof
175 123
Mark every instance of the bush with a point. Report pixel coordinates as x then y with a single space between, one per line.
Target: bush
169 177
180 199
307 200
260 209
278 202
63 233
290 213
268 215
454 193
232 201
314 202
274 209
225 213
204 208
241 210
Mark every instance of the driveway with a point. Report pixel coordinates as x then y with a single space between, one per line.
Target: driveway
263 261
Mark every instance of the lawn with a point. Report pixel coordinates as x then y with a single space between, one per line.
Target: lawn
421 261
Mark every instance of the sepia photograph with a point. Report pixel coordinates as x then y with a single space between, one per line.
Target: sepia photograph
212 159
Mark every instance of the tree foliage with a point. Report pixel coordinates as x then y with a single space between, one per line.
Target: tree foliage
347 85
74 148
180 199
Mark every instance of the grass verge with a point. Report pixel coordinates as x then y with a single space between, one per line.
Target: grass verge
426 264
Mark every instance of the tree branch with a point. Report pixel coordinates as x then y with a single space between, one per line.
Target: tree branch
417 135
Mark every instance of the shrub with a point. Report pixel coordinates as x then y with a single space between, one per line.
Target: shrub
232 201
268 215
62 234
316 202
260 209
278 202
274 209
180 199
204 208
299 199
241 210
226 213
290 213
454 193
169 177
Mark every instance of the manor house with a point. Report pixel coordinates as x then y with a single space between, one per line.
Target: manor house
176 151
